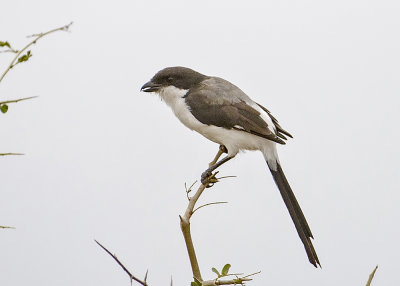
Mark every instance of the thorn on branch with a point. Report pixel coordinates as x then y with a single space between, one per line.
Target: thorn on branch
371 276
8 154
226 177
190 189
63 28
132 277
17 100
208 204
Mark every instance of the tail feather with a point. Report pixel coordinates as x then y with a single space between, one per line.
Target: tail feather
295 212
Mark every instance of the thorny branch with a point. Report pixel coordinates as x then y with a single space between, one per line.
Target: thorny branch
131 276
185 226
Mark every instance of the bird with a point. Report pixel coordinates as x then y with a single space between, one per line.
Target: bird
224 114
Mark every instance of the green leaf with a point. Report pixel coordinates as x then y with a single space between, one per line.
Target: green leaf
5 44
225 270
216 271
4 108
25 57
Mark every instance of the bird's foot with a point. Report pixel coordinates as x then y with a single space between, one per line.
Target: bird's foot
208 178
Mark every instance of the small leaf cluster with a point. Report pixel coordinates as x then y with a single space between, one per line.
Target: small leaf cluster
25 58
224 272
21 59
5 44
3 108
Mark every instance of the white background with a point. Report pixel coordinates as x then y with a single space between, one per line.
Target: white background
104 161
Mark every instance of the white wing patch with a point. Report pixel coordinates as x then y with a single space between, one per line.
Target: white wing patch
239 127
264 116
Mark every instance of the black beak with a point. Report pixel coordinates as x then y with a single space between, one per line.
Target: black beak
150 87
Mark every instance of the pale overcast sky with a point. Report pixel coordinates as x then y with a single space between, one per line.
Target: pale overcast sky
104 161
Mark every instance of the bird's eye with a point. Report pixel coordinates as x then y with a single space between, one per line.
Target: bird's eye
170 79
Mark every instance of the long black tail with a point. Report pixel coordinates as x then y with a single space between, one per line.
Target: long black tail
296 213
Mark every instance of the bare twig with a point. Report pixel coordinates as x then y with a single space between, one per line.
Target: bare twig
37 37
7 154
190 189
209 204
371 276
226 177
132 277
1 226
9 51
17 100
252 274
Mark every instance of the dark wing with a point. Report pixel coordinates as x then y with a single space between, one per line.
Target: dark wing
279 130
213 107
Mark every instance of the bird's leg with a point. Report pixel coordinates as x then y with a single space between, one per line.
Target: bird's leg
205 177
222 149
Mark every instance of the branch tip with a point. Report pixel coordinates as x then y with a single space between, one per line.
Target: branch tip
17 58
371 276
17 100
8 154
131 276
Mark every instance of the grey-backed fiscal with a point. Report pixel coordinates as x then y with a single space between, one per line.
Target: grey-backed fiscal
224 114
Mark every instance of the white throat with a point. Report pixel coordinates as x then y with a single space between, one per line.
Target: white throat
171 95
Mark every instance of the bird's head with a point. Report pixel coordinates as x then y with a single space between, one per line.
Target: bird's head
179 77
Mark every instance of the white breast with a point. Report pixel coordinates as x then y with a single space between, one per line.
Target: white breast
174 98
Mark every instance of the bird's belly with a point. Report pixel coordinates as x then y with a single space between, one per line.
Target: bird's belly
233 140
